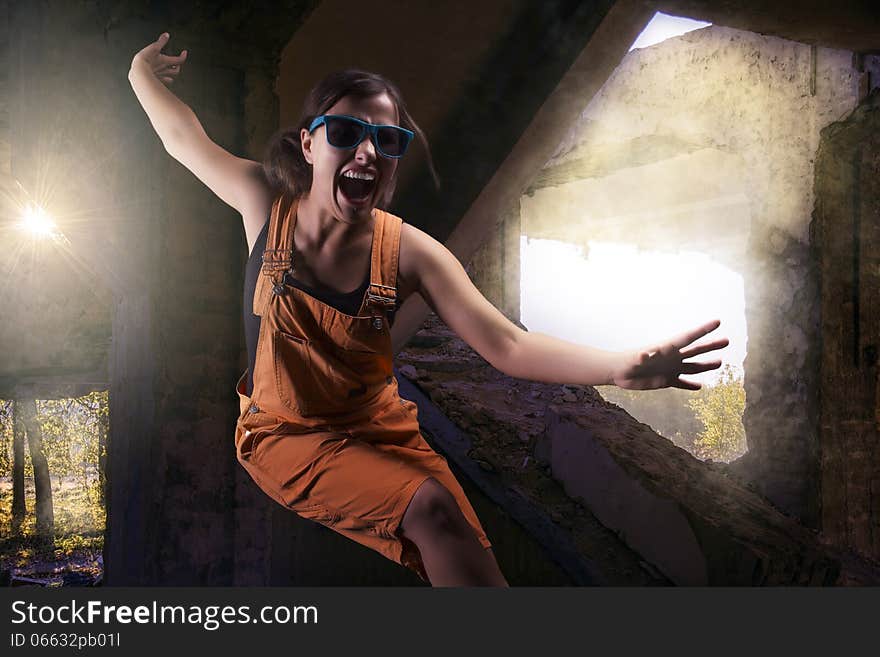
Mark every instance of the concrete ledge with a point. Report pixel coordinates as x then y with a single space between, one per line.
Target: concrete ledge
652 524
687 518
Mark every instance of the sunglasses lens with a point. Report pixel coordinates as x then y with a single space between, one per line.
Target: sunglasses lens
391 141
343 133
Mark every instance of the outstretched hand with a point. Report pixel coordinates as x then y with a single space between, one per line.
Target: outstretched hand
164 67
661 366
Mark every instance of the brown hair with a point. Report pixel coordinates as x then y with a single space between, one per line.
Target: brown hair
284 165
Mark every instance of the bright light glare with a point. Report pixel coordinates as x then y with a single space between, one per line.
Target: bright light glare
37 221
664 26
622 298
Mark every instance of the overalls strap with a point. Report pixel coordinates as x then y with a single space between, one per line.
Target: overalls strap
278 256
382 293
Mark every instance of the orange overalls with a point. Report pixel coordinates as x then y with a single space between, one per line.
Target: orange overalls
325 432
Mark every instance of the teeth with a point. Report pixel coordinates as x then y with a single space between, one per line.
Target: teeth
359 175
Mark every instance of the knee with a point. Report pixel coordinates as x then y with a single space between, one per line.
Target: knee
433 508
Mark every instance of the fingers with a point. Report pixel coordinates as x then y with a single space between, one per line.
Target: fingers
696 350
696 368
168 74
165 60
687 337
171 69
157 58
685 385
157 45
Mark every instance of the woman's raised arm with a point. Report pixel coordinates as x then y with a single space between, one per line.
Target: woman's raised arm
238 182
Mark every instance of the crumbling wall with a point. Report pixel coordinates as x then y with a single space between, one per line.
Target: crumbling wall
846 240
691 108
5 145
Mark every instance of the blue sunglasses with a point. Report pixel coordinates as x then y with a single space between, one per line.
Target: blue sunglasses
347 132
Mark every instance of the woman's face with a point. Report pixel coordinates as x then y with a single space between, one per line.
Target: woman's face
351 200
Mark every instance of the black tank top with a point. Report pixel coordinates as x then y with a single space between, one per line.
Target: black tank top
348 303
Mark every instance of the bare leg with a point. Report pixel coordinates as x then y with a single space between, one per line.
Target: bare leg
450 550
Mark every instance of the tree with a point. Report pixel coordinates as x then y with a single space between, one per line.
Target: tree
18 503
720 409
42 482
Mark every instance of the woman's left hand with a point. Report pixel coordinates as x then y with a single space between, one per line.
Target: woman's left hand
661 366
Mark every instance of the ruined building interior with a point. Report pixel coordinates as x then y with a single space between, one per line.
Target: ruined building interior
754 140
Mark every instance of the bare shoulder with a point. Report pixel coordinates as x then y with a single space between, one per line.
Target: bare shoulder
412 244
418 250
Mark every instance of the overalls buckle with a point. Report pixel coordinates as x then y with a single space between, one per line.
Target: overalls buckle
387 302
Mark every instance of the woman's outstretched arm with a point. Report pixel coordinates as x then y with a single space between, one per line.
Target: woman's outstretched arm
238 182
446 287
544 358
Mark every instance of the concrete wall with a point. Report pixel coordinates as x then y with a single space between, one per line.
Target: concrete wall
495 267
56 319
846 242
5 136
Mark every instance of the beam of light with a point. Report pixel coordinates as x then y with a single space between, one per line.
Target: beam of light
664 26
62 215
36 221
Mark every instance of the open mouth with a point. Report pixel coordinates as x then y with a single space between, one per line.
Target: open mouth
357 187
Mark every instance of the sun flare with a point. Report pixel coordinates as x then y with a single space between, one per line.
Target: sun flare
36 221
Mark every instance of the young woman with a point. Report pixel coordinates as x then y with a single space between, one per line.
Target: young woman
322 429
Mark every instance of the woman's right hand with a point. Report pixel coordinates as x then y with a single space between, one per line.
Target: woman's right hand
164 67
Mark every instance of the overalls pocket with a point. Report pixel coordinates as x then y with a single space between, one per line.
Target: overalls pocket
313 381
296 380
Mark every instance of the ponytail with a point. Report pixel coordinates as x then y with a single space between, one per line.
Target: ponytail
284 165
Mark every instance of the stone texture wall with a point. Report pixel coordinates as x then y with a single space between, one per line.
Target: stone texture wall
716 132
847 242
254 511
495 267
56 320
198 339
5 145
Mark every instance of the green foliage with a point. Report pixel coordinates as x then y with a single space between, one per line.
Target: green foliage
5 438
720 409
74 441
79 528
71 431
